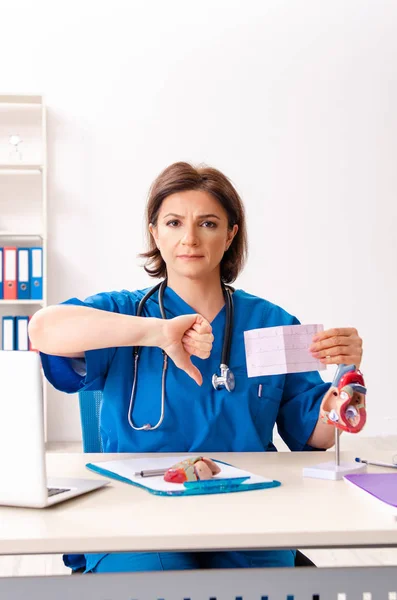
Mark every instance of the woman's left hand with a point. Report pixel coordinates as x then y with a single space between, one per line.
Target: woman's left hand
338 346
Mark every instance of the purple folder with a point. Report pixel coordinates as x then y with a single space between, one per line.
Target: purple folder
382 486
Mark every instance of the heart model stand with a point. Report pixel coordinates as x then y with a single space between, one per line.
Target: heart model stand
343 407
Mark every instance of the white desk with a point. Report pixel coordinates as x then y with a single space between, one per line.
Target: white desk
302 513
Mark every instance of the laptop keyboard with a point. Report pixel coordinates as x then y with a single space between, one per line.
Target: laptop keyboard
54 491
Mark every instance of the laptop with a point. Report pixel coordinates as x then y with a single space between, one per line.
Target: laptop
23 478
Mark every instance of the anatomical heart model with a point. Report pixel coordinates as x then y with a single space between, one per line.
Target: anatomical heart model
343 406
192 469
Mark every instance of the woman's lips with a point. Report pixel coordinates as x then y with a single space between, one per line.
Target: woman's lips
187 257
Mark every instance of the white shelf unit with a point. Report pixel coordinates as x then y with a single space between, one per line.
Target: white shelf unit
23 187
7 169
22 303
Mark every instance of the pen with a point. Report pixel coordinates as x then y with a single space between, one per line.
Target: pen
150 473
376 464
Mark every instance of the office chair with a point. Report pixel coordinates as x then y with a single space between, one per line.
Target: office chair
90 408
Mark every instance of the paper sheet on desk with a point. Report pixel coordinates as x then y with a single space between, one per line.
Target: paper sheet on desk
284 349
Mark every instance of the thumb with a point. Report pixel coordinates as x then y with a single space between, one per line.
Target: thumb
193 372
182 360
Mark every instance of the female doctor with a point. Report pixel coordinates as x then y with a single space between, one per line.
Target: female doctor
197 247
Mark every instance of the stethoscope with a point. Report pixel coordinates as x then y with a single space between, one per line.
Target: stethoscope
225 379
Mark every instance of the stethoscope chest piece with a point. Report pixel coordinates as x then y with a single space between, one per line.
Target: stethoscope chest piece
225 379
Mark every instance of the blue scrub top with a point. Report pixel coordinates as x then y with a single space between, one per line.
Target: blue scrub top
197 419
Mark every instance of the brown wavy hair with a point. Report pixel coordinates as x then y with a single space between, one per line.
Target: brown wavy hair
182 177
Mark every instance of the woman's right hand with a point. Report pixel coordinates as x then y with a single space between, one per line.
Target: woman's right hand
186 336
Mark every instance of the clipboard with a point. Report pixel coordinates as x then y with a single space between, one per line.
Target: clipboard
229 480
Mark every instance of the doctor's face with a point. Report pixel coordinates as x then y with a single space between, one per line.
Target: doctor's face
192 234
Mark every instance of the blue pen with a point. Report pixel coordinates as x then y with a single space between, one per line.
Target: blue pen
377 463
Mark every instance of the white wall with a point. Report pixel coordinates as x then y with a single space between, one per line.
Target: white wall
294 101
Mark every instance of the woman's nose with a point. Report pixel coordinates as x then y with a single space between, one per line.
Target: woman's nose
190 237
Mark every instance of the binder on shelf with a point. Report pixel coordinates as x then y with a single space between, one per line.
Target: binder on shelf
36 273
8 333
23 273
10 274
21 333
1 273
30 345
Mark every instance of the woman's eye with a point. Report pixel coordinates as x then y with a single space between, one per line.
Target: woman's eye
173 223
209 224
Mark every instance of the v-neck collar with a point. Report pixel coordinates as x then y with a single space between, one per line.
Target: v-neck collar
181 307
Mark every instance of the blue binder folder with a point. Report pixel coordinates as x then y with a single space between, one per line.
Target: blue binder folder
21 333
1 275
23 287
36 273
8 333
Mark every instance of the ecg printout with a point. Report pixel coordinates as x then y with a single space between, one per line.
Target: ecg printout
284 349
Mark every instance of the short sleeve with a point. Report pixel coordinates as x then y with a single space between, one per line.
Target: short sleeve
62 373
300 408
